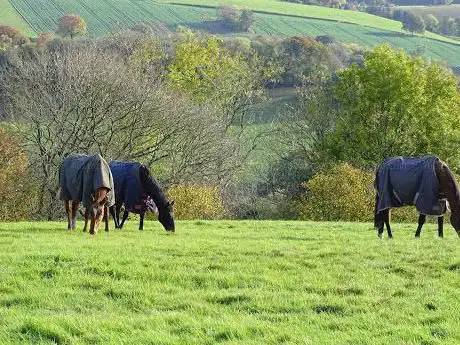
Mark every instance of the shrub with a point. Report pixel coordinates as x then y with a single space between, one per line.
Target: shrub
14 201
345 193
197 202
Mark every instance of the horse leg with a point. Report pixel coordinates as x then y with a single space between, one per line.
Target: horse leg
379 222
73 223
67 211
387 223
141 222
440 226
421 221
114 215
125 216
117 212
106 217
86 219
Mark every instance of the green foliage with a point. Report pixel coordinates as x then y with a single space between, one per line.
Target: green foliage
14 199
228 282
413 23
431 23
341 193
234 18
197 202
395 105
345 193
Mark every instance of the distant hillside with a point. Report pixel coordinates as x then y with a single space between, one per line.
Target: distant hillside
438 11
272 18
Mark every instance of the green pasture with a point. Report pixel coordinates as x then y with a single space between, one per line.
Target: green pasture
228 282
310 11
9 16
104 17
107 16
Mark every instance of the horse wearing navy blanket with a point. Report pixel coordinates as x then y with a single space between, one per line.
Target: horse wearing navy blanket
138 191
86 179
425 182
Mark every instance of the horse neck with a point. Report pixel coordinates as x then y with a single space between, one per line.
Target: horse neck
449 188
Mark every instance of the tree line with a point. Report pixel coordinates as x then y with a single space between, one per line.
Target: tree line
197 110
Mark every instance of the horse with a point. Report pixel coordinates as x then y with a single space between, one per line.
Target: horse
133 185
424 182
87 179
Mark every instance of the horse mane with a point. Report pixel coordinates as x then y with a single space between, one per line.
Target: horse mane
152 187
449 186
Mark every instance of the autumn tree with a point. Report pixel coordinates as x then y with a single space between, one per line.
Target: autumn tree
72 25
9 34
234 18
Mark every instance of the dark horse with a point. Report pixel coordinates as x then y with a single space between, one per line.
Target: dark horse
134 186
425 182
86 179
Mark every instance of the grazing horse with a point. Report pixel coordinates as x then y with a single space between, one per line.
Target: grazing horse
134 185
425 182
86 179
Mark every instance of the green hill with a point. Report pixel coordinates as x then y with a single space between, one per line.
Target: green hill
272 18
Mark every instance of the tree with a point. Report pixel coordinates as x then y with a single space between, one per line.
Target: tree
448 26
12 35
413 23
395 105
457 24
72 25
234 18
431 23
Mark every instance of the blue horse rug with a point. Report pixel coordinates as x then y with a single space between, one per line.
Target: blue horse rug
128 187
402 181
81 175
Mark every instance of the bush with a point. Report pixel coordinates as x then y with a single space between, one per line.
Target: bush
14 200
345 193
197 202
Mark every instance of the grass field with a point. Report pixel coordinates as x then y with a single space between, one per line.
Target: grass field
228 282
107 16
9 16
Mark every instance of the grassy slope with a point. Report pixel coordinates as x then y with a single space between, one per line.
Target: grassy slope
282 7
228 282
9 16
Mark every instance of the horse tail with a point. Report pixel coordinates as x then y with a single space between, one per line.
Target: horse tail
378 216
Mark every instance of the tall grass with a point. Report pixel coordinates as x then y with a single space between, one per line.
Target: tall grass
230 282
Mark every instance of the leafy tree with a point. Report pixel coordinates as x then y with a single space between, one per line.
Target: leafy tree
457 24
395 105
448 26
12 35
413 23
72 25
431 23
234 18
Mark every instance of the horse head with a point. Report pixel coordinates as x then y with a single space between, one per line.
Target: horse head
165 216
455 221
95 212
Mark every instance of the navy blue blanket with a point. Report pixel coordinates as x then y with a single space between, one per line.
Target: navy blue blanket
128 188
405 181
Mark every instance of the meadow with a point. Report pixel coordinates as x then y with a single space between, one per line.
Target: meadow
229 282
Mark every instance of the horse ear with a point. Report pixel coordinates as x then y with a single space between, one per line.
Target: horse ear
93 198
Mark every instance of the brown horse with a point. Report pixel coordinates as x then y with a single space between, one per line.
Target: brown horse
425 182
86 179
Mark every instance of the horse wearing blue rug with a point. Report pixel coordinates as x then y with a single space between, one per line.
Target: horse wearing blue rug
86 179
424 182
138 191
